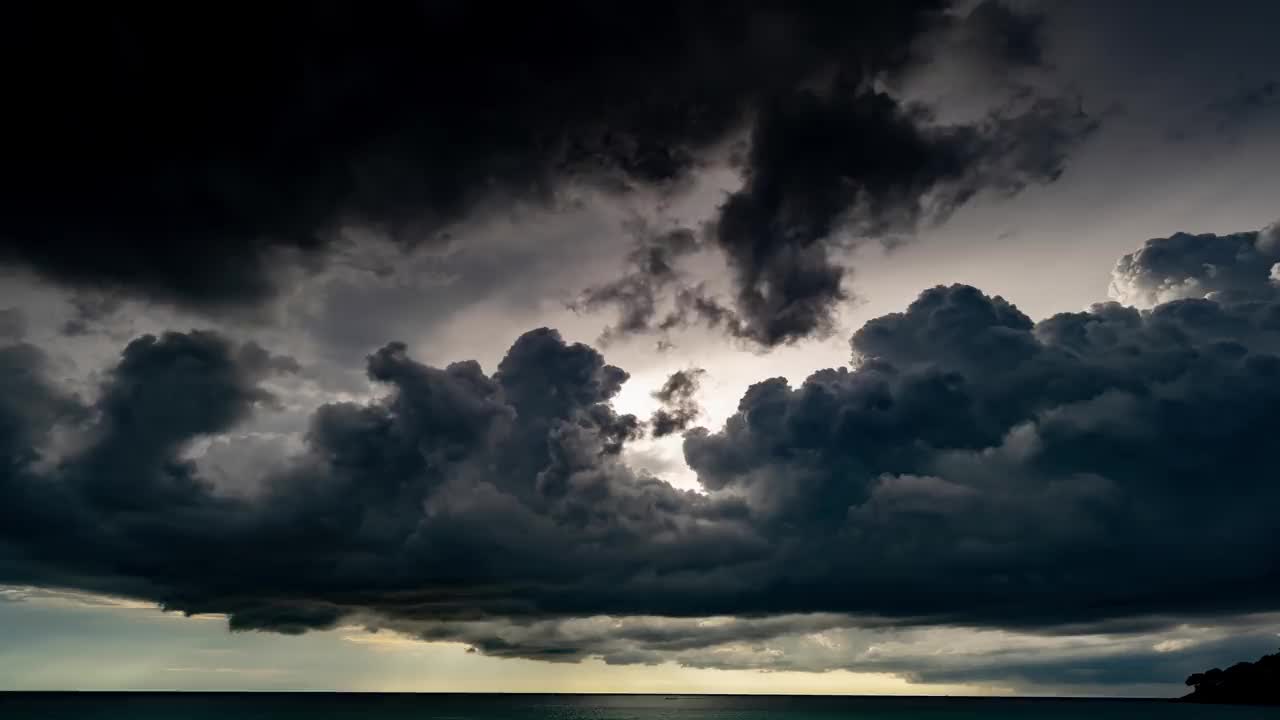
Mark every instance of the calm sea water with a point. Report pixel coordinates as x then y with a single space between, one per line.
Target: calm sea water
318 706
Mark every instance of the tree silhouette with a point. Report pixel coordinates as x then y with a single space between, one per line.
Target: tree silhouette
1253 683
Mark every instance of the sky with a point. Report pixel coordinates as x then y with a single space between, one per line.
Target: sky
883 347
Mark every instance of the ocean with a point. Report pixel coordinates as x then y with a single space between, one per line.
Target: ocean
377 706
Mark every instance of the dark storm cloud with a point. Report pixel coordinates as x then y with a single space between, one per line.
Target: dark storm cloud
165 391
143 155
679 408
1020 467
146 155
30 405
1097 471
483 482
95 516
860 162
830 165
824 171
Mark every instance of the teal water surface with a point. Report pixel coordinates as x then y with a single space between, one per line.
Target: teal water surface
320 706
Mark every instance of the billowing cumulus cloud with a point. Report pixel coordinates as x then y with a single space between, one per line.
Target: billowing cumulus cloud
986 461
207 179
518 471
1237 267
1105 471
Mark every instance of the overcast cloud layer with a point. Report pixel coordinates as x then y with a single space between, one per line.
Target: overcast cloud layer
407 118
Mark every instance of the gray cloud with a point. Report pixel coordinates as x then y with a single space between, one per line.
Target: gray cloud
639 293
1153 659
90 311
13 324
679 408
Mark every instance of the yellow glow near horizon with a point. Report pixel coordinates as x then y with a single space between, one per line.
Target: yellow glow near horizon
448 667
129 645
